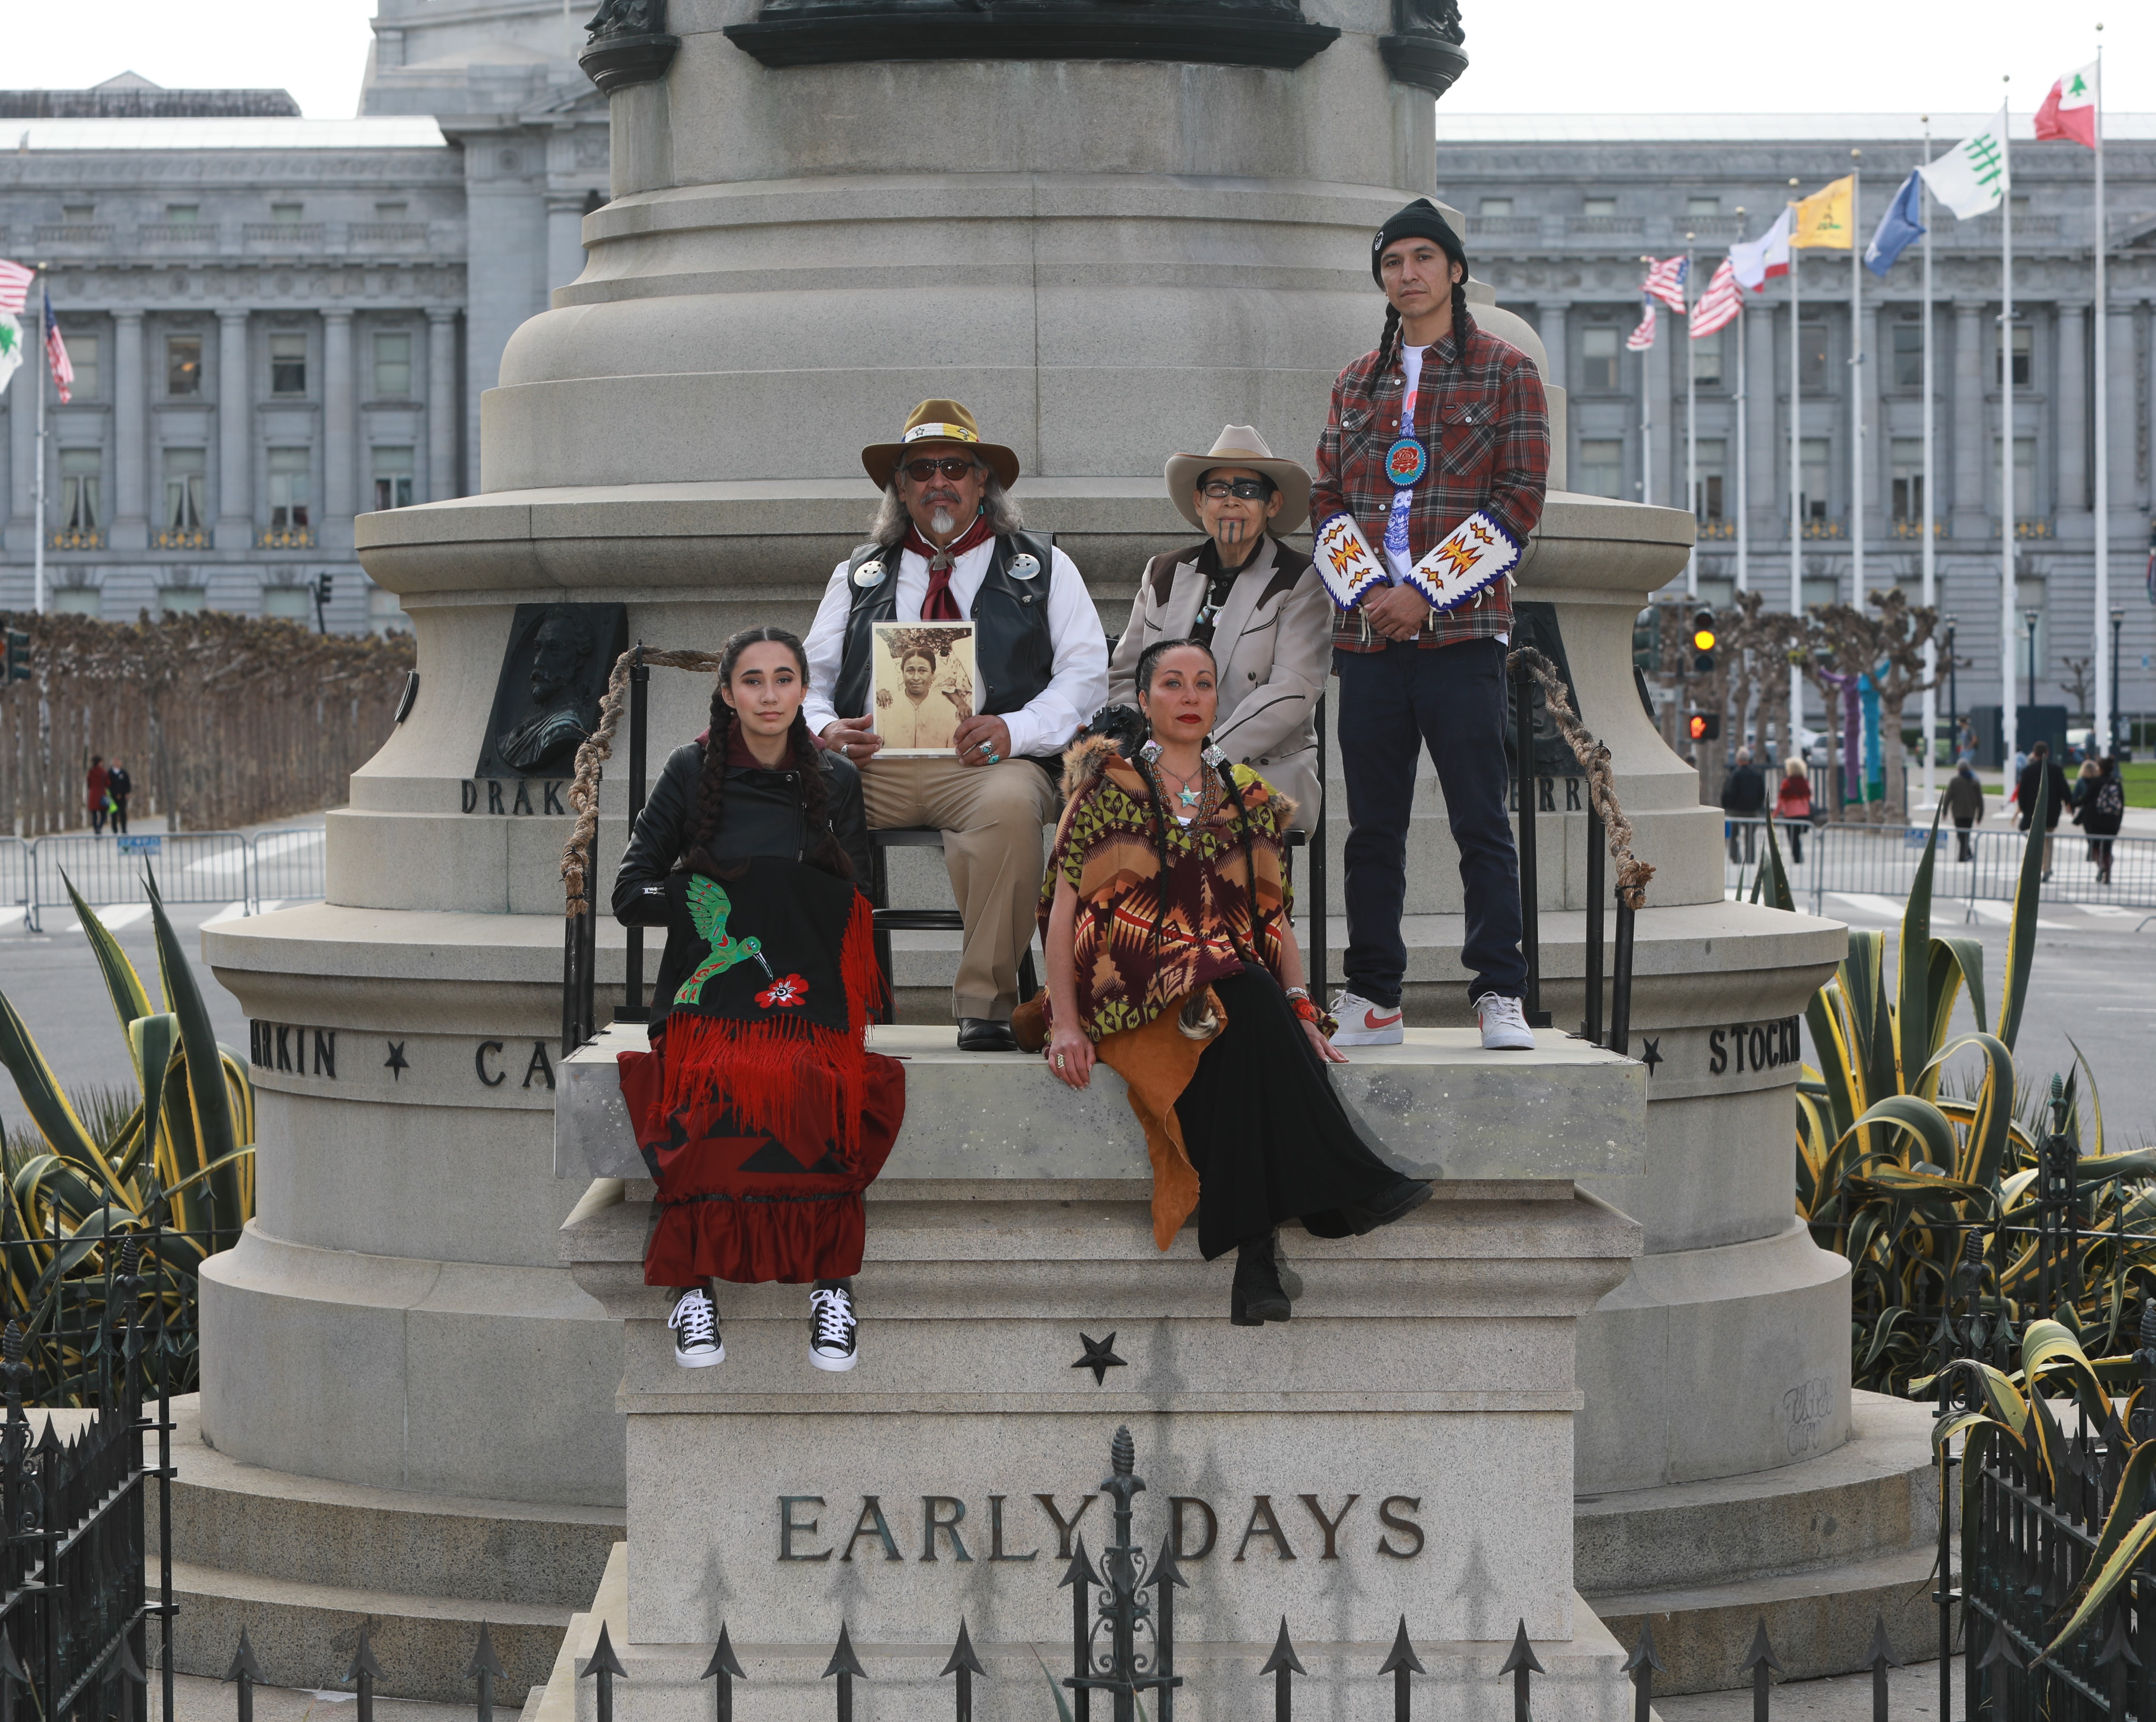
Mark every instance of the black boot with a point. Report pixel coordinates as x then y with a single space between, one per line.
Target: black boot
1383 1208
1258 1297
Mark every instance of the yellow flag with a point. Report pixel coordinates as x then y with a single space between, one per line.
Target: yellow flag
1825 219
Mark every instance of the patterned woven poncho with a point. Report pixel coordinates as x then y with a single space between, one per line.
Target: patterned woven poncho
1108 848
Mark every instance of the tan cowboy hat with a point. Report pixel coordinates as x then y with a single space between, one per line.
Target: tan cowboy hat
942 422
1241 445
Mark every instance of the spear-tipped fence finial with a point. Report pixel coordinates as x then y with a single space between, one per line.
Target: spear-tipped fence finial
965 1665
724 1668
1283 1665
604 1667
1757 1661
1400 1661
2004 1652
1881 1658
365 1670
848 1667
1522 1665
486 1668
1643 1665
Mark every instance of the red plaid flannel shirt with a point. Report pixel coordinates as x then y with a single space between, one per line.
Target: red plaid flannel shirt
1481 411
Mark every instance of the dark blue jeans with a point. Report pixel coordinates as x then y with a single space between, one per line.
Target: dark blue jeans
1393 703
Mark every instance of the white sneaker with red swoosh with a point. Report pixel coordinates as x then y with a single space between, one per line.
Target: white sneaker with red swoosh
1363 1024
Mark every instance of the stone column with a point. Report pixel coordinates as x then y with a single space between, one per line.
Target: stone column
565 237
1552 312
441 404
130 413
235 440
2071 501
1764 460
339 423
2121 399
1968 423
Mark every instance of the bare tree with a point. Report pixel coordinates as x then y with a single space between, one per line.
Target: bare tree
1887 646
2080 677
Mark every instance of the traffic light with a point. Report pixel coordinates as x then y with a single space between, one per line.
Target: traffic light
1703 726
321 603
1703 643
18 655
325 593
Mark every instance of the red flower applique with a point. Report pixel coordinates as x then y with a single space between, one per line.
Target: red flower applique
791 990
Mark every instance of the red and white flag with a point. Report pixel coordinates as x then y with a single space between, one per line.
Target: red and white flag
56 351
1665 281
1643 337
14 284
2069 111
1759 260
1718 305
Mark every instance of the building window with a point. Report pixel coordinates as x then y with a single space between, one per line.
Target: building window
1495 206
72 213
1706 358
1602 465
1812 466
288 364
183 214
287 212
182 364
392 366
291 470
82 480
1907 483
1711 462
293 603
1908 355
391 212
187 475
392 478
1702 206
1811 364
1599 206
181 600
1821 590
1598 354
2022 347
2024 475
78 601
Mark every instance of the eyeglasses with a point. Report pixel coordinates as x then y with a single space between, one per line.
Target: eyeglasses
950 467
1243 490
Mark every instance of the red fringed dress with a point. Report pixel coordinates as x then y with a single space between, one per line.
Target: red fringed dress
760 1109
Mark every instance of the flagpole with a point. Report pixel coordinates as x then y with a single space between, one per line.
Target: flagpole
1647 408
37 490
2009 704
1692 433
1931 697
1744 511
2107 695
1796 464
1855 392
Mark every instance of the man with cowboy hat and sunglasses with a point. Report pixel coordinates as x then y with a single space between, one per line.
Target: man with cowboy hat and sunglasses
948 544
1257 605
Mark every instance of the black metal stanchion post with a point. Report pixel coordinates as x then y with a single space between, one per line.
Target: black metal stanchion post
1620 980
1530 920
1590 1026
640 699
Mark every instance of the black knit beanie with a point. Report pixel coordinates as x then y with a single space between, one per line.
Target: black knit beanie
1420 220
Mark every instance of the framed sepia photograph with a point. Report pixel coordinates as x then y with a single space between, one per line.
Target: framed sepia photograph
924 687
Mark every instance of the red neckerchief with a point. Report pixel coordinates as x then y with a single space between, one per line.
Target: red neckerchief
940 604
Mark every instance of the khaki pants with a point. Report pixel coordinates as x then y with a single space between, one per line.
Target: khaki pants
991 817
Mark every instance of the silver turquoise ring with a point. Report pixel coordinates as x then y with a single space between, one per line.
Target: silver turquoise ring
991 756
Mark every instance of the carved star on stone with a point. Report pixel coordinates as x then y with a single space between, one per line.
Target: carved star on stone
1650 1053
1100 1358
396 1064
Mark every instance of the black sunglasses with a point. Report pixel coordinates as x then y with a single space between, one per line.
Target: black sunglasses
1245 490
950 467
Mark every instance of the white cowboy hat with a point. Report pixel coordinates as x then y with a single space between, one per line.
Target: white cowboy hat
1241 445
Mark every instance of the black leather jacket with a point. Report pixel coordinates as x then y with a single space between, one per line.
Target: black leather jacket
763 817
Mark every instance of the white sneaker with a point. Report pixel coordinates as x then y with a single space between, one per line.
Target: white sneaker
1504 1025
1362 1024
832 1328
695 1322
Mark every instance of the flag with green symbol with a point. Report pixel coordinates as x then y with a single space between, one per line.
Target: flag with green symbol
1972 177
11 347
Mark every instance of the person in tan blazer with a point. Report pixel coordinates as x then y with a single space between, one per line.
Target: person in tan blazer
1255 602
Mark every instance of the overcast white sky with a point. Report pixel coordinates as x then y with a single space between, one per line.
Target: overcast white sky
1530 56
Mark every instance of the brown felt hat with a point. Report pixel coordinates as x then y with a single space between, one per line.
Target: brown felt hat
1241 445
938 422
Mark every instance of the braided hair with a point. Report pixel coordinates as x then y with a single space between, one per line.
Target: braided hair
820 847
1148 661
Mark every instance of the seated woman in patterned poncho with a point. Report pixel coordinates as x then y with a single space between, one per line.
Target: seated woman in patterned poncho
1171 959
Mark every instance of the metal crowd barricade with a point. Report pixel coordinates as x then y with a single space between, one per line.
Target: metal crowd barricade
189 867
289 866
15 871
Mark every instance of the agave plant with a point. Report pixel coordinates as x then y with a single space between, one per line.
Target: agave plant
178 1165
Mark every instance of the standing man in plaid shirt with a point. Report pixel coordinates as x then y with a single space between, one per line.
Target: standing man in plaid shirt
1437 453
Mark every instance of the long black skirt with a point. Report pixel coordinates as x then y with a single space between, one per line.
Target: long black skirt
1267 1136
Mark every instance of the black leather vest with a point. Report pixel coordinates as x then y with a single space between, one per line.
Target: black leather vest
1013 652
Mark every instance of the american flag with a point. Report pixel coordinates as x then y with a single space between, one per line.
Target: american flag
56 351
14 284
1665 280
1718 305
1643 337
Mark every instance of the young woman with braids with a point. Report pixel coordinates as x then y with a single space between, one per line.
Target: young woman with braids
759 1109
1171 959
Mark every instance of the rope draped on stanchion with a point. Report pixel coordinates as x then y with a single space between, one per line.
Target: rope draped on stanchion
1594 755
598 748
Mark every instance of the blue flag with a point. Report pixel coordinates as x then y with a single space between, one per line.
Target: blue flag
1898 229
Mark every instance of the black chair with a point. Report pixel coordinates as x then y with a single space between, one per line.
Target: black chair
889 920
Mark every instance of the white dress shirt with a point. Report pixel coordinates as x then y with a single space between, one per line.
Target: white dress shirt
1076 690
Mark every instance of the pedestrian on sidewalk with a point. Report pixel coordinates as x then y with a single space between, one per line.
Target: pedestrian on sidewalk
1793 804
2100 812
2042 769
1964 799
1743 799
118 787
100 779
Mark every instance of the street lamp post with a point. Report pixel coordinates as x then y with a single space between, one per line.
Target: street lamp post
2030 619
2110 718
1953 687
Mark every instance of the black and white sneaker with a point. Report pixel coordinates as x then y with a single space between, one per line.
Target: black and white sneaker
695 1322
832 1328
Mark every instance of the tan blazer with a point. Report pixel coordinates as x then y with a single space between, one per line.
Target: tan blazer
1273 640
